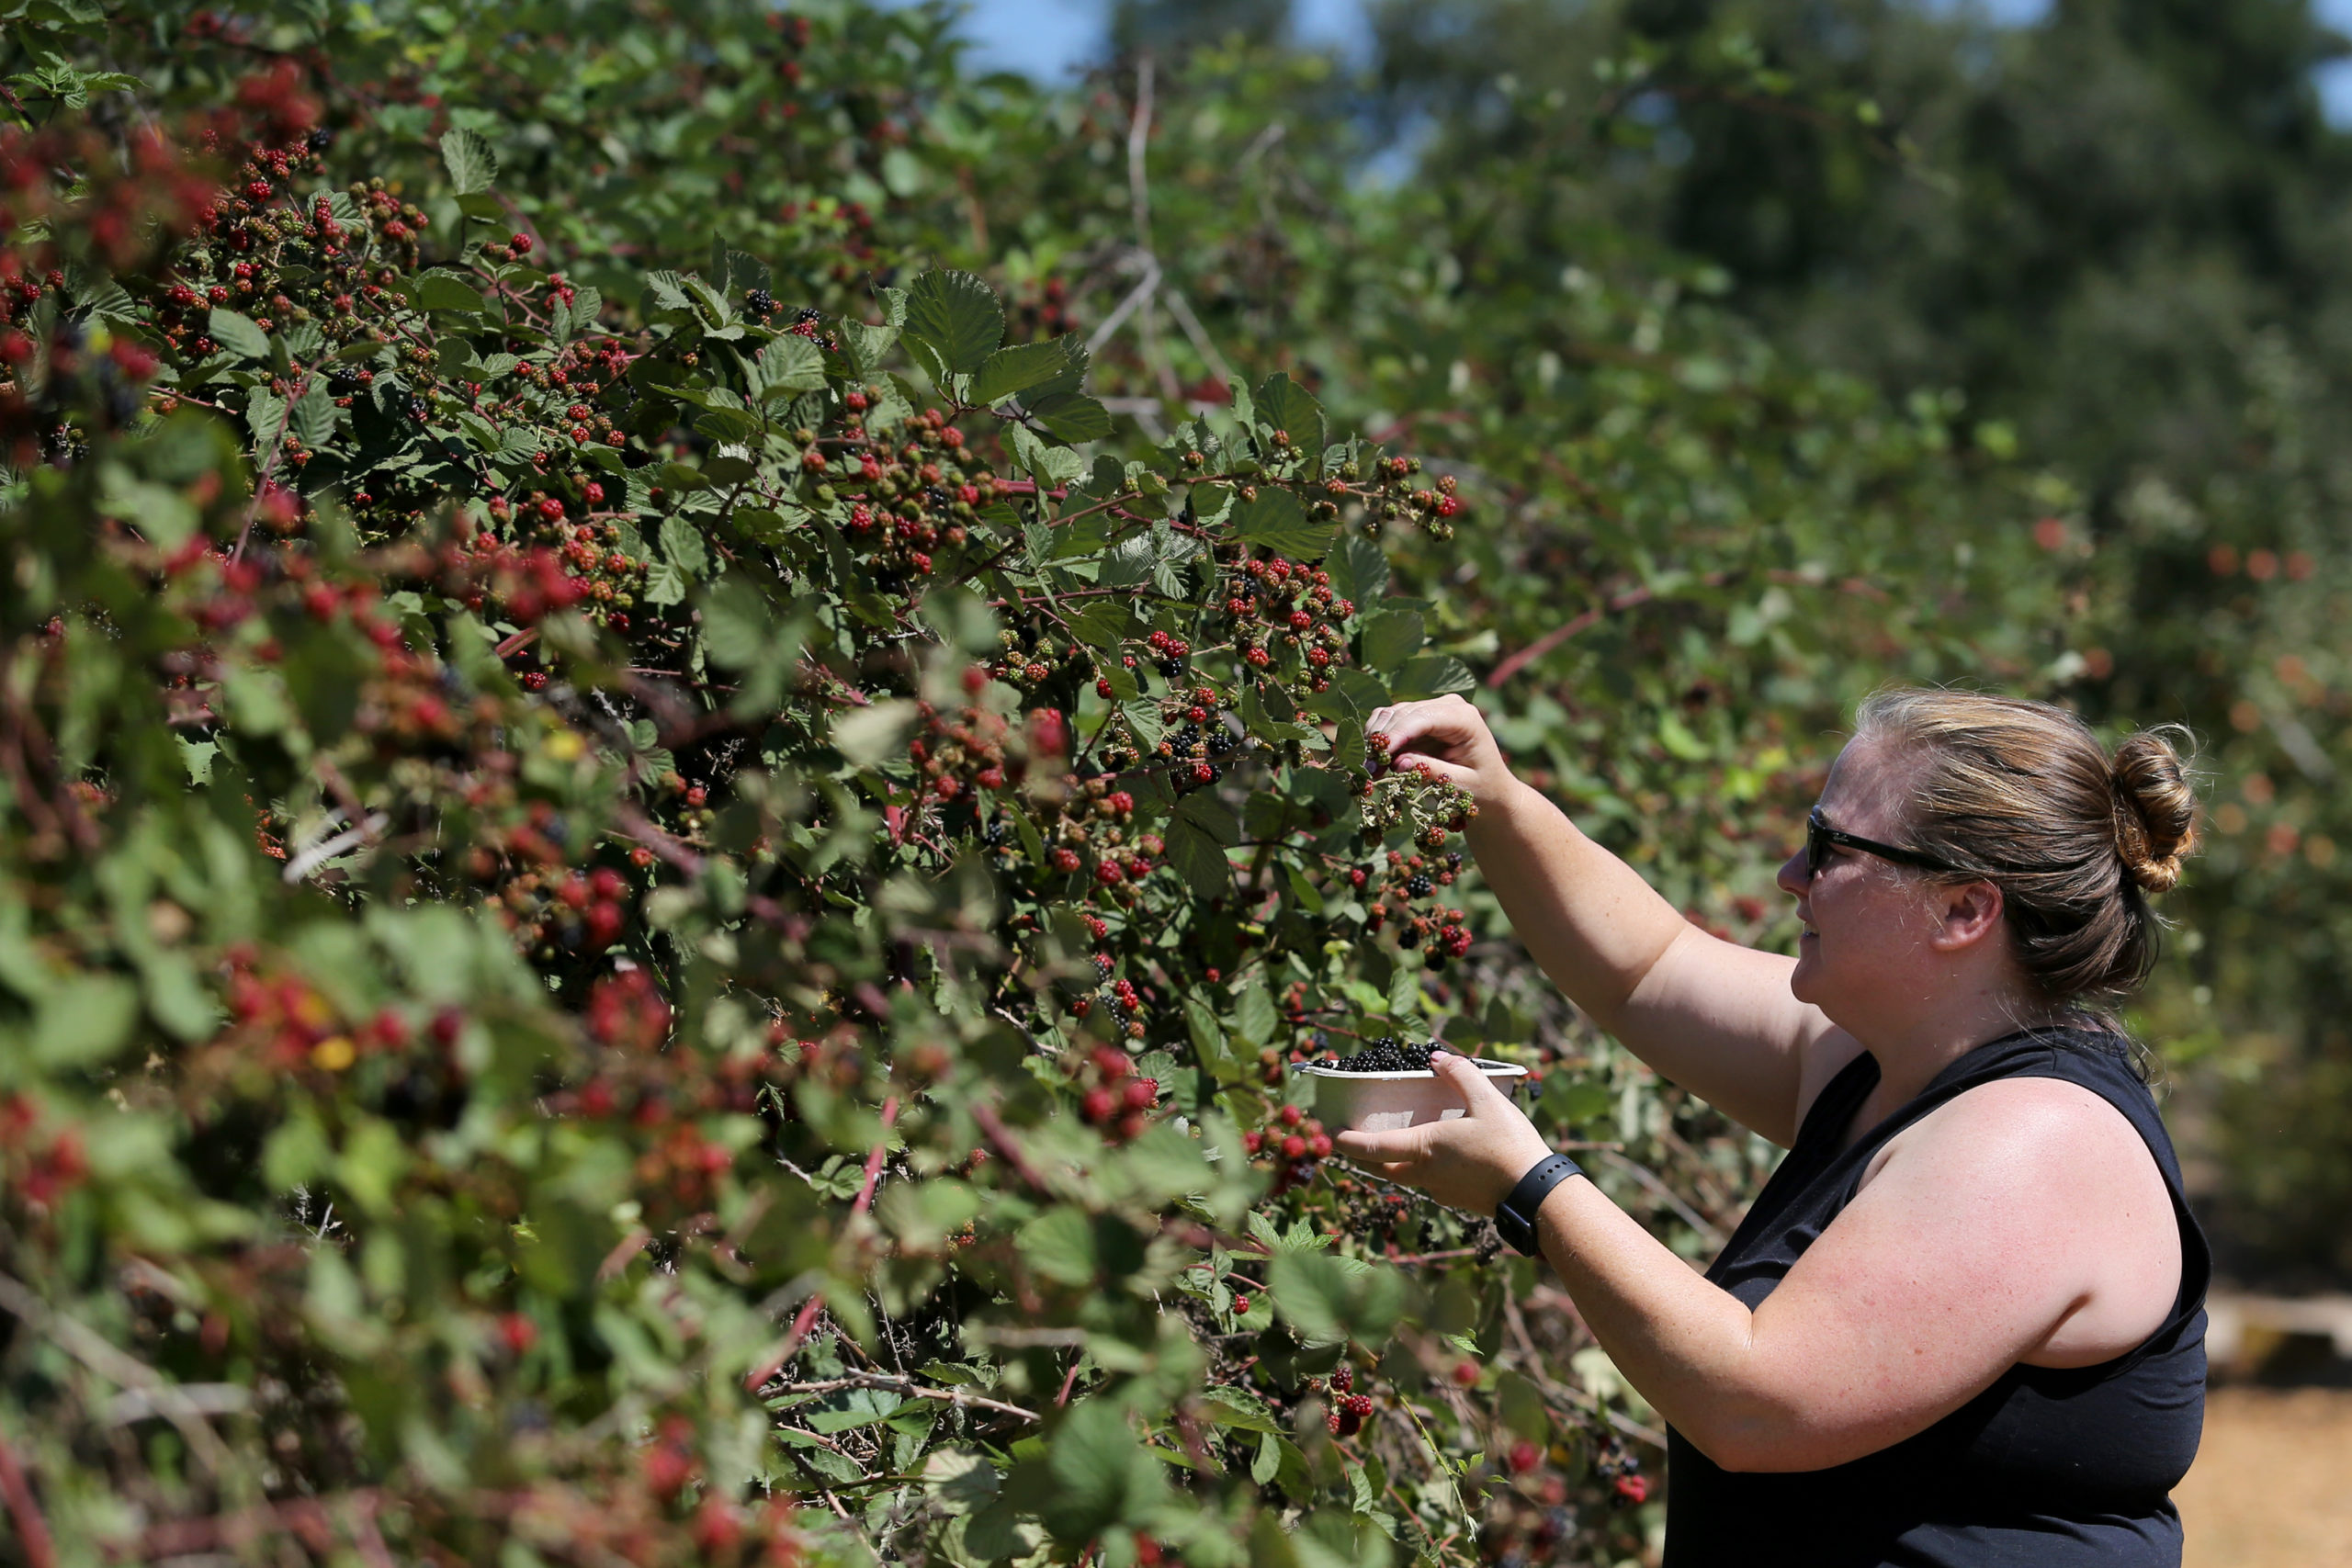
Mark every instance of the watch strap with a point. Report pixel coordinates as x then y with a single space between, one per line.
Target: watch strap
1515 1216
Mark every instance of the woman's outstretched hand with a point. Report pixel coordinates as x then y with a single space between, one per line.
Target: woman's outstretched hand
1449 738
1472 1161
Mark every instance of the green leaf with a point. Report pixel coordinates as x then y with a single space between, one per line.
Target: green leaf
1060 1244
83 1019
954 323
1016 369
866 345
869 735
238 333
1212 816
790 364
1676 736
1430 675
1253 1012
1237 1408
1051 466
960 1479
1275 521
1328 1299
1102 1474
471 164
683 546
1289 408
439 292
315 413
1390 637
664 583
264 415
1358 570
1198 860
1072 416
1208 1039
737 630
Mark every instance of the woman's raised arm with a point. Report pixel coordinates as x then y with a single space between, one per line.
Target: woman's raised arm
1711 1016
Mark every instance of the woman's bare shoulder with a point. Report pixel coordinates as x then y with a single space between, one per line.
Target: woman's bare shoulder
2076 1192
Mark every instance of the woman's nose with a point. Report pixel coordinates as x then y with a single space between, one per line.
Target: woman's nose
1792 879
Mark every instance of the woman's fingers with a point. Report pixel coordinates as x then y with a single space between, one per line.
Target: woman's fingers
1402 1147
1479 1095
1436 718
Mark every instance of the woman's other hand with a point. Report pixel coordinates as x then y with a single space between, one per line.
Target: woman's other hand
1471 1161
1450 737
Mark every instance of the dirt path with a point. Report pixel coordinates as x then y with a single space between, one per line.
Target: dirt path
2272 1485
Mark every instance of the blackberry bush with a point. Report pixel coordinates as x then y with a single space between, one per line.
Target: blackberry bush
639 925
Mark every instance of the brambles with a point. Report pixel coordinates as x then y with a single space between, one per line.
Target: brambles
597 861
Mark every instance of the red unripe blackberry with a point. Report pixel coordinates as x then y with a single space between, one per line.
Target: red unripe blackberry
517 1333
1319 1146
1240 1306
1294 1147
522 243
607 883
1524 1456
1097 1105
696 796
1292 1115
551 509
1141 1094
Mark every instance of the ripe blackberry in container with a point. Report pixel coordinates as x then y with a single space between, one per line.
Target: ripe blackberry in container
1387 1055
1390 1084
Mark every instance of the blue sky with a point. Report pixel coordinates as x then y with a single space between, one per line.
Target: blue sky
1045 37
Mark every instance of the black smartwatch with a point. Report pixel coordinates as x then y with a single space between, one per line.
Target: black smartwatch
1515 1218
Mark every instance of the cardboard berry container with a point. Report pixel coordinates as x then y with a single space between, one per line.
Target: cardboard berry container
1383 1102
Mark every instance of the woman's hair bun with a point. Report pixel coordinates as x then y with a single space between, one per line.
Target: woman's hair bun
2155 807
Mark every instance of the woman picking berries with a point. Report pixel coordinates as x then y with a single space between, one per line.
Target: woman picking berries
1963 1324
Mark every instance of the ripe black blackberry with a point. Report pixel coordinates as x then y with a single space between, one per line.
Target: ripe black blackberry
1419 888
1387 1055
759 301
806 314
1172 668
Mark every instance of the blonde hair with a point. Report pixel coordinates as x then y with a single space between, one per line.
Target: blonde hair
2022 795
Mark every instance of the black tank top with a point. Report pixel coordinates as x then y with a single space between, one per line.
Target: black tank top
2048 1467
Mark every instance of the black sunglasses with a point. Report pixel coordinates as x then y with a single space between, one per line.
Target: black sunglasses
1819 835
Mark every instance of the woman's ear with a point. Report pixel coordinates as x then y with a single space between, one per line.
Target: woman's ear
1966 914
